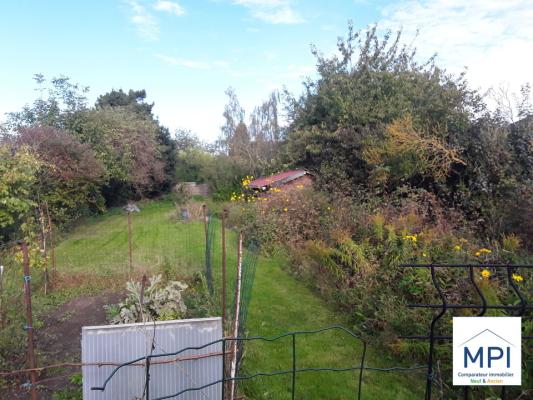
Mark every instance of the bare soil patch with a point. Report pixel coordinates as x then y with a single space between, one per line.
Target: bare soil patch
59 341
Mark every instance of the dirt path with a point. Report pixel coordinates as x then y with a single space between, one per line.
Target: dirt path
60 340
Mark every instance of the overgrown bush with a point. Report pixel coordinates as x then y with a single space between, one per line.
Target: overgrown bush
282 216
351 252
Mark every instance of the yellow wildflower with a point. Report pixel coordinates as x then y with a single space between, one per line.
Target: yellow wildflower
518 278
485 273
285 209
411 238
247 180
485 251
477 254
457 247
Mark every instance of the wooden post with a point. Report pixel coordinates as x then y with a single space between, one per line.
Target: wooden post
43 246
204 211
29 318
129 243
51 236
2 311
224 214
143 286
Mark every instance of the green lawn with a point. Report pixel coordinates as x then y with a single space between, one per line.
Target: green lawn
100 244
280 303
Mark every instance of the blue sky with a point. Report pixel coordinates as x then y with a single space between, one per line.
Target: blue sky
185 53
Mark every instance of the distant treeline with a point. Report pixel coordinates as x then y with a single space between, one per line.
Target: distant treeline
376 121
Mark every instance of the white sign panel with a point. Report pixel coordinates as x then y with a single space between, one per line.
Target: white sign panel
487 351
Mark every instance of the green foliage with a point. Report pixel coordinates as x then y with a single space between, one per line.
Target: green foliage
180 195
356 266
342 118
224 176
199 302
285 216
378 119
75 392
134 101
195 162
89 156
127 145
61 105
191 163
70 177
18 175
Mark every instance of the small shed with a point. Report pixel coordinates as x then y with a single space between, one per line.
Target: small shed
288 179
194 188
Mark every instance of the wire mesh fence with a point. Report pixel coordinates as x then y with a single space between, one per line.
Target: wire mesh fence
122 245
156 239
289 343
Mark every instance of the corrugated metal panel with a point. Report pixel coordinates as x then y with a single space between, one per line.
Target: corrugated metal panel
123 343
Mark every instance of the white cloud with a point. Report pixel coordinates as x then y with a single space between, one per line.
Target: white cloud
272 11
191 64
144 22
493 39
170 7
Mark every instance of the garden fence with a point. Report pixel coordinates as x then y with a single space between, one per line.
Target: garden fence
506 274
293 371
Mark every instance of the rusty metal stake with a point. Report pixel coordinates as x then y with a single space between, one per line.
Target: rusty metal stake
129 243
29 318
143 286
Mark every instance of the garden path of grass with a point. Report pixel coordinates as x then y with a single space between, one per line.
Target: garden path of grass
280 303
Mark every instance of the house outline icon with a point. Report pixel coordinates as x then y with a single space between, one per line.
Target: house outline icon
483 332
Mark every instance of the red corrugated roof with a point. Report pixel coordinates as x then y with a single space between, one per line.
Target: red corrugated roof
282 177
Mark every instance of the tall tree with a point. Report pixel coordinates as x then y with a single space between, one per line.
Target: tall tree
233 115
70 176
60 104
135 100
128 145
346 116
266 134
